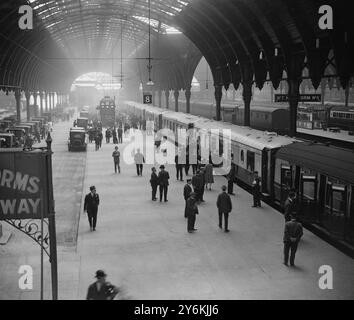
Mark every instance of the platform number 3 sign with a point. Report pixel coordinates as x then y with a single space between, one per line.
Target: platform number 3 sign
147 98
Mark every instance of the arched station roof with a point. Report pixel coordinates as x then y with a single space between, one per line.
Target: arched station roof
242 40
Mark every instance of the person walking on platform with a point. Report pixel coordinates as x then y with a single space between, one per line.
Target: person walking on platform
256 190
186 193
120 134
108 135
224 205
114 133
163 182
192 211
154 181
92 200
139 161
231 177
289 206
101 289
100 134
292 234
179 168
198 185
97 142
208 175
116 158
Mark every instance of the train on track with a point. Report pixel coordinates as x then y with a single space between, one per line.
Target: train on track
275 116
323 175
107 112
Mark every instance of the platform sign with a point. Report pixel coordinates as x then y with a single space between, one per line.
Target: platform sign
147 98
23 185
302 98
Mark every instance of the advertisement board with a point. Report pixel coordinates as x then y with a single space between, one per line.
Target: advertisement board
23 185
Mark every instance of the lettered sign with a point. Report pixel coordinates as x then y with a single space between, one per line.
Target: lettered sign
23 185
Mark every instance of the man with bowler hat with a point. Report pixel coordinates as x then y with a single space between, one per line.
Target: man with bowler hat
224 206
92 200
192 211
163 182
186 193
101 289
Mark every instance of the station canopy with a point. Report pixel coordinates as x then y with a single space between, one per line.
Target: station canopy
242 40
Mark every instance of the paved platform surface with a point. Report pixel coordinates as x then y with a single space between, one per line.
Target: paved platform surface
146 250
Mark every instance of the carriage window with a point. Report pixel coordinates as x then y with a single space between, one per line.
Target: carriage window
250 161
242 156
266 116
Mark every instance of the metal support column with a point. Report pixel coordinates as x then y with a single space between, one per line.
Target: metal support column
188 95
176 94
159 93
18 104
167 96
28 97
294 93
218 97
41 102
247 97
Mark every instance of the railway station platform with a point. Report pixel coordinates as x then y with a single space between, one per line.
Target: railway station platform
145 248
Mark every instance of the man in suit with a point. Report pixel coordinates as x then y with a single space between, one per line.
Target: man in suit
224 206
289 206
292 234
163 182
101 289
256 186
192 211
179 167
92 200
120 134
186 193
116 159
154 182
198 185
231 177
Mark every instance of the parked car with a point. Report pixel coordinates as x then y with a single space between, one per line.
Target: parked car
77 139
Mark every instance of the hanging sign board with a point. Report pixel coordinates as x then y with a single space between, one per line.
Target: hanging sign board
23 185
147 98
302 98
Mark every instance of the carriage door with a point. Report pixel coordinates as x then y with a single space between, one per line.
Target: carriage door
335 217
308 197
286 181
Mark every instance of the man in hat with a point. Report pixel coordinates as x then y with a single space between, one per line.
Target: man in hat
231 177
92 200
256 186
154 182
163 182
224 206
289 206
116 158
186 193
192 211
101 289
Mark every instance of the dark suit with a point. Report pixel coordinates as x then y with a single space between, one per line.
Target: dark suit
91 206
163 182
257 192
289 207
198 185
292 235
179 169
231 178
192 211
107 292
224 205
154 181
186 193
